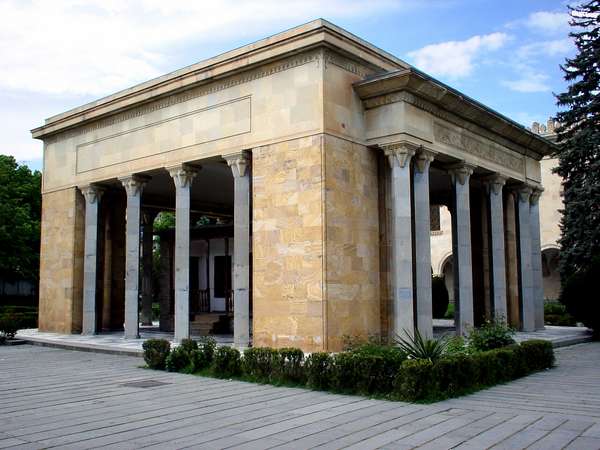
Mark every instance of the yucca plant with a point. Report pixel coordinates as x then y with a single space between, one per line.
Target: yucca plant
417 347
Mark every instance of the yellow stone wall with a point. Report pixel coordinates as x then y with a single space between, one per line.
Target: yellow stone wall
352 241
61 261
287 244
315 243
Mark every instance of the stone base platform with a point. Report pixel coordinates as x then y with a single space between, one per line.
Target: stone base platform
107 342
113 342
559 336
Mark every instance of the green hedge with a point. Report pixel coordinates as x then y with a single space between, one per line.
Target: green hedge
370 370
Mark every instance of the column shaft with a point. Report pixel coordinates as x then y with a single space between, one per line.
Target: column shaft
403 322
525 267
497 251
134 186
536 260
423 244
239 164
147 241
461 243
92 196
183 176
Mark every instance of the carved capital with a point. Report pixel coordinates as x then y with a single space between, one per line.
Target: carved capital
134 184
494 183
239 163
460 172
524 192
92 192
423 159
535 195
183 174
399 152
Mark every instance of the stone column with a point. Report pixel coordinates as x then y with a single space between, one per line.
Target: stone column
92 196
497 252
524 251
147 243
240 167
423 243
399 156
461 247
134 185
512 265
536 259
183 175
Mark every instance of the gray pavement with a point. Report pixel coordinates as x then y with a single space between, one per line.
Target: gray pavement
55 398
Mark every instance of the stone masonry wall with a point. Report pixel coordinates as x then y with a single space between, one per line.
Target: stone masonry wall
61 261
288 245
352 241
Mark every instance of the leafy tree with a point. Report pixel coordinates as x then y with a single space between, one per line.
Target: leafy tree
579 139
20 213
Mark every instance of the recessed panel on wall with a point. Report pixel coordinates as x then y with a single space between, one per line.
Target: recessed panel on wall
166 134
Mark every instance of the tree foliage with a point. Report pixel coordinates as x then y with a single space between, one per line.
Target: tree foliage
579 143
20 213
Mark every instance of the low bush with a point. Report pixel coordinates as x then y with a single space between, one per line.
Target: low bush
538 354
10 323
227 362
492 334
179 360
189 345
415 380
260 363
318 370
555 313
417 347
156 352
289 367
202 357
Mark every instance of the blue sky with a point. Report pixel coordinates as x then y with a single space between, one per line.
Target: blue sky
55 55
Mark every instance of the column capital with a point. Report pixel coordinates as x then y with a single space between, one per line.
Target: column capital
494 183
423 159
183 174
92 192
399 152
134 184
535 194
524 192
460 172
239 162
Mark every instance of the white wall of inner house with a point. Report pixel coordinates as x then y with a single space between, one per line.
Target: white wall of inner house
199 248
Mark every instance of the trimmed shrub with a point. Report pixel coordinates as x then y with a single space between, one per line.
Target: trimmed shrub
260 362
318 370
179 360
189 345
288 367
555 313
9 323
415 380
156 352
537 354
455 374
202 356
487 367
227 362
491 335
440 297
208 345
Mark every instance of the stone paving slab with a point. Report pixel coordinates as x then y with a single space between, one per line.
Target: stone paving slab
55 398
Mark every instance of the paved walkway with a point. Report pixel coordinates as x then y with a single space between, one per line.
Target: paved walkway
54 398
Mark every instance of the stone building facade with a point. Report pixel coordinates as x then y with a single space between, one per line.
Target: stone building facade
550 205
326 153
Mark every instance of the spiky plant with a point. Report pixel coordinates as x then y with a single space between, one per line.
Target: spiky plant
417 347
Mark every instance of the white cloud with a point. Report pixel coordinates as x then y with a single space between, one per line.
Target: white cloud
94 47
456 59
530 82
548 22
557 47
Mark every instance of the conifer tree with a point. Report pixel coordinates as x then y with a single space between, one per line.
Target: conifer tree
579 143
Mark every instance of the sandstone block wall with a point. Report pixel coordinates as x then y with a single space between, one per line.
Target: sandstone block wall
61 261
